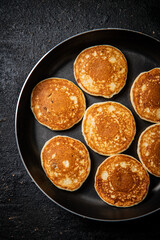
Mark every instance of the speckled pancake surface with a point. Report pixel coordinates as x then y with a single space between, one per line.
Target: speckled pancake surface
108 127
66 162
149 149
101 70
145 95
57 103
121 181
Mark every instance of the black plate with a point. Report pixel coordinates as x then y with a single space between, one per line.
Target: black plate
142 53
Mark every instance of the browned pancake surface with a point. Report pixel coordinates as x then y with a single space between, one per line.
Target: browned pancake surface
108 127
121 181
101 70
57 103
149 149
145 95
66 162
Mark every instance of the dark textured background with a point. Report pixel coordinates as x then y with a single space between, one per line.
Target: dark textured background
28 30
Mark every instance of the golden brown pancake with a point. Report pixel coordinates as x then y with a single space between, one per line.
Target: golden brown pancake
66 162
145 95
57 103
108 127
101 70
149 149
121 181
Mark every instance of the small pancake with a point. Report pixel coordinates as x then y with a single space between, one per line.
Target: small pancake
121 181
57 103
149 149
145 95
66 162
108 127
101 70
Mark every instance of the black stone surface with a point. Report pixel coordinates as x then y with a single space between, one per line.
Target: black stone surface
28 30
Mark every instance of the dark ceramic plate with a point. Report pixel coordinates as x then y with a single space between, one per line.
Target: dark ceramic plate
142 53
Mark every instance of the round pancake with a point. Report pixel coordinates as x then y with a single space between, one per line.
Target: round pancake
101 70
57 103
108 127
149 149
121 181
145 95
66 162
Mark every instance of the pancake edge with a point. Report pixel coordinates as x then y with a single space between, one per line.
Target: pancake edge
100 95
115 205
131 96
45 124
89 159
138 147
82 129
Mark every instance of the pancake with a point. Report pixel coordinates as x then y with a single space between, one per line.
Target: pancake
57 103
121 181
145 95
101 70
66 162
108 127
149 149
